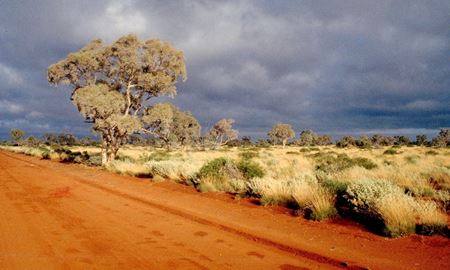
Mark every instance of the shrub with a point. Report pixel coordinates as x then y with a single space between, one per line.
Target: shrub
331 164
82 157
364 162
334 186
386 209
250 169
390 151
411 159
248 155
46 154
431 152
222 174
94 160
262 144
158 156
345 141
361 198
215 168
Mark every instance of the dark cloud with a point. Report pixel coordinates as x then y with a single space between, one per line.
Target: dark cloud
333 66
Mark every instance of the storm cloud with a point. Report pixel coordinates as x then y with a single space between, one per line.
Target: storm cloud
337 67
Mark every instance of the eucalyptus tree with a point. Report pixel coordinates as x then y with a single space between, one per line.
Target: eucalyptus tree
170 125
307 138
281 133
442 139
16 135
111 84
222 132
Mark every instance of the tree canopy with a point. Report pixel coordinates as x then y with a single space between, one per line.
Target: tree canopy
222 132
113 83
281 133
172 126
16 135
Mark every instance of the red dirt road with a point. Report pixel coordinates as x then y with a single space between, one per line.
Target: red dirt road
66 216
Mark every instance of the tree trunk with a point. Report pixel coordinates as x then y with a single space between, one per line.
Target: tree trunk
113 150
284 143
104 151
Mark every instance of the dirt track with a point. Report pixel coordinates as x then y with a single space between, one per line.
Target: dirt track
61 216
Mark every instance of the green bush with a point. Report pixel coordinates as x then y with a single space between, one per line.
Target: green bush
248 155
336 187
46 154
215 168
364 162
94 160
223 174
250 169
328 163
218 175
322 215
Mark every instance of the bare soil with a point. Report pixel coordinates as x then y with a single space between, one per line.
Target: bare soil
68 216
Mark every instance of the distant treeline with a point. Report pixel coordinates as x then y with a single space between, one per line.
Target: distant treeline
305 138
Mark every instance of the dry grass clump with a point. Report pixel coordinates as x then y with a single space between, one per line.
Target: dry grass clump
306 195
128 167
440 178
316 202
271 191
397 212
385 208
39 152
381 206
430 219
178 170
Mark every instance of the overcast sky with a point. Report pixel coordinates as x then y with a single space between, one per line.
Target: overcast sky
337 67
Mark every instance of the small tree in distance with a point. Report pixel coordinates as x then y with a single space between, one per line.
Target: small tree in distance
170 125
307 138
16 135
222 132
281 133
421 139
442 139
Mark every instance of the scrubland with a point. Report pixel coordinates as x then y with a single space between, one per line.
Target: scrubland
392 191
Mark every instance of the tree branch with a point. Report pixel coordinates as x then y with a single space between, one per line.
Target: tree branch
128 98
